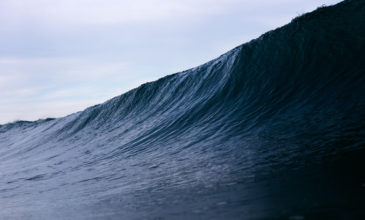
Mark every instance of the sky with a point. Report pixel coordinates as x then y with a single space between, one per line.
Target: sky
58 57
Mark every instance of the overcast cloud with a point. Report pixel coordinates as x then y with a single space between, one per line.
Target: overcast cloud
61 56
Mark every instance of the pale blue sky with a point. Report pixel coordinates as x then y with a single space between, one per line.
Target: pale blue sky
61 56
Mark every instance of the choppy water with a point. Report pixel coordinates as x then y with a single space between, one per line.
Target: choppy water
273 129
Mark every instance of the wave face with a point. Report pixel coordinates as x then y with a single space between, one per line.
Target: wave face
272 129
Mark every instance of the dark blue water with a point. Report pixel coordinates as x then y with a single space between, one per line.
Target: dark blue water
273 129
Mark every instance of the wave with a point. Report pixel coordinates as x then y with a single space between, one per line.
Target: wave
271 119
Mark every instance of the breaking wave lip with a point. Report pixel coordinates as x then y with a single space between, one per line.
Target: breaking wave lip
272 129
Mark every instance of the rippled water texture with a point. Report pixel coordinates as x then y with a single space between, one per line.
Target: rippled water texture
273 129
